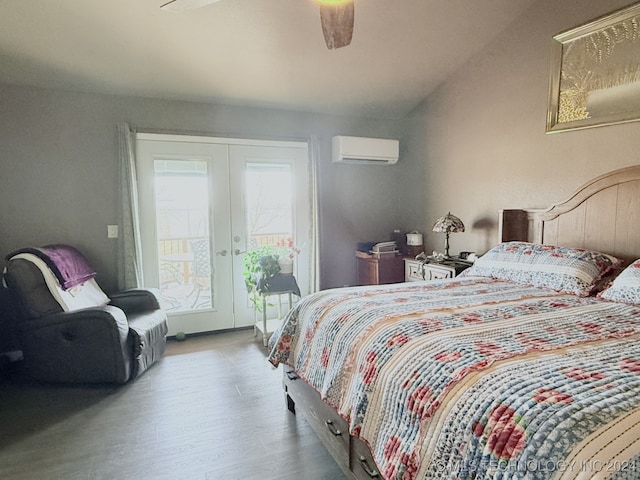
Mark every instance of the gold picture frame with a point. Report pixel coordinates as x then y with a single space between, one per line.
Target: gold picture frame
595 73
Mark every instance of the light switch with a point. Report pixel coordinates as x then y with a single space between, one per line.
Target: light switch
112 231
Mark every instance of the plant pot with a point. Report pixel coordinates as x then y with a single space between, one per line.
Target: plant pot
286 266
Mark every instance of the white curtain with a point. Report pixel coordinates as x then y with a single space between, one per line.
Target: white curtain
129 244
314 260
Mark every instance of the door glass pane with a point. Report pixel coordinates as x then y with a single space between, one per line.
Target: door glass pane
269 203
182 213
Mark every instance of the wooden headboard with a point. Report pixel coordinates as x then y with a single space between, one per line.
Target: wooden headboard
602 215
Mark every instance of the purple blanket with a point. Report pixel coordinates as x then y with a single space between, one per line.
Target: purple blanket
67 263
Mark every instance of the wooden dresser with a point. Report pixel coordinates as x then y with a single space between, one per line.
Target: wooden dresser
379 269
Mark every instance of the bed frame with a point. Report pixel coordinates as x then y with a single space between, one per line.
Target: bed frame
602 215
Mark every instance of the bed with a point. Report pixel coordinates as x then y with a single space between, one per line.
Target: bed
526 366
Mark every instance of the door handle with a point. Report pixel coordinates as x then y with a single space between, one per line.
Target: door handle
238 252
222 253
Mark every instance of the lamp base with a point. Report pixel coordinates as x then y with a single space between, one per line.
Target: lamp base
446 246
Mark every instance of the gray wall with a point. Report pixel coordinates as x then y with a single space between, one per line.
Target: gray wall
59 170
475 145
481 140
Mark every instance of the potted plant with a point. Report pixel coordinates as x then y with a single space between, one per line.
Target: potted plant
286 251
259 265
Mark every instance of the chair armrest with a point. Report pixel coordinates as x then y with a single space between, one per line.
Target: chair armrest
135 300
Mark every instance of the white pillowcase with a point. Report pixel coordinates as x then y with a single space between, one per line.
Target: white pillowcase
564 269
626 286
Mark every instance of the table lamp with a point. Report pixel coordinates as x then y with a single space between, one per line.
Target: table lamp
448 224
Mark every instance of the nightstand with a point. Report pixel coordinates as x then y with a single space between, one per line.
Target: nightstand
415 270
378 269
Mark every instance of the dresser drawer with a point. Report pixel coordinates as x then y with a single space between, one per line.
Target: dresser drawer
433 271
415 270
412 270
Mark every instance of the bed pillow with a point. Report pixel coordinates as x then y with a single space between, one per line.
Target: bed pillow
626 286
570 270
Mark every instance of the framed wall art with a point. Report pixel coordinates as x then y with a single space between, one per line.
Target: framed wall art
595 73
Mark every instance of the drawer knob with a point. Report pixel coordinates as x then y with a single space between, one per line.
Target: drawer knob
332 428
372 472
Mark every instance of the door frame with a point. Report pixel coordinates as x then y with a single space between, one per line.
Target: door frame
186 138
305 202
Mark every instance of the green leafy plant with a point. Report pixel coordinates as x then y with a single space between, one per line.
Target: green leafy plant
258 266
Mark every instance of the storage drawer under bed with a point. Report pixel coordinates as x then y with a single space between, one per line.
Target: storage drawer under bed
332 430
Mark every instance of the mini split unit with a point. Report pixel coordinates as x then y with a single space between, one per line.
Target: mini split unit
360 150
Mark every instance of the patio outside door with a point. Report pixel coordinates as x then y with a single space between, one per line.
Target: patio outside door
203 203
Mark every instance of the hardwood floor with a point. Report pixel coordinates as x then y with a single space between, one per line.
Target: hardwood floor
212 408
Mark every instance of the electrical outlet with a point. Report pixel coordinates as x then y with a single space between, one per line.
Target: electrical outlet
112 231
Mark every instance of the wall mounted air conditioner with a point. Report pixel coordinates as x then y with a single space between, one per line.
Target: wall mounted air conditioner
371 151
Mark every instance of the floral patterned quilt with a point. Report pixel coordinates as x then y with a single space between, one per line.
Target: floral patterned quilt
475 378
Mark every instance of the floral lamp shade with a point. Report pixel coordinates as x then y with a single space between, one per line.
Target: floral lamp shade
448 224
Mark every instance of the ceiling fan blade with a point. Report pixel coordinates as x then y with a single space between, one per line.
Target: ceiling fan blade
337 24
182 5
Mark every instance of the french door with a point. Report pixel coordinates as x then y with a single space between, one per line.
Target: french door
203 203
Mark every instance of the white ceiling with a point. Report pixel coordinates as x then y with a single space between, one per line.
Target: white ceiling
252 52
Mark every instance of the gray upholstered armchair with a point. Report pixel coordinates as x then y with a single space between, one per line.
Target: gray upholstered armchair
69 330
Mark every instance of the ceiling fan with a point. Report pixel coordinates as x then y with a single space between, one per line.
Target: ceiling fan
336 18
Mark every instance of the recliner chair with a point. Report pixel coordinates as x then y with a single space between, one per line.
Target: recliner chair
69 330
